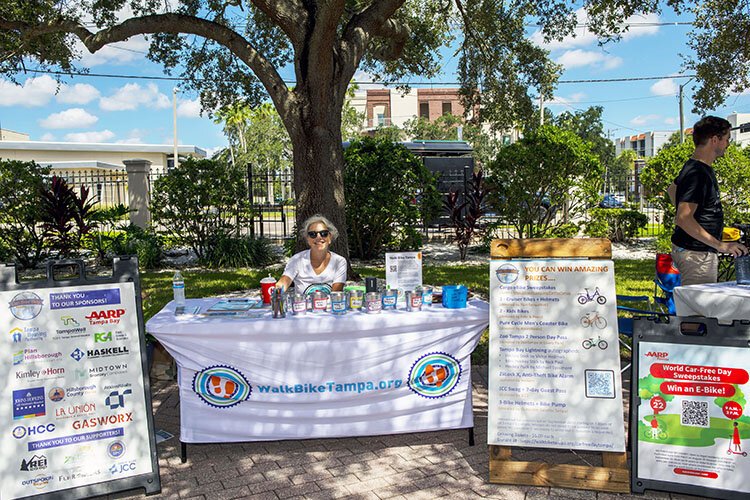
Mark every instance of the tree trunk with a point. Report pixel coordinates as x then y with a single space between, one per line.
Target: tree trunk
316 143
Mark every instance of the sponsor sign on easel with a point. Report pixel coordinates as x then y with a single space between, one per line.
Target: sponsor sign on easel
77 416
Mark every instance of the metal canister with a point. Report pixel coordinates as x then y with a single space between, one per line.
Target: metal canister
299 304
373 303
338 302
390 299
319 301
413 300
354 299
427 295
278 302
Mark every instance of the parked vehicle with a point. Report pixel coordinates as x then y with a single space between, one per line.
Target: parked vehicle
610 201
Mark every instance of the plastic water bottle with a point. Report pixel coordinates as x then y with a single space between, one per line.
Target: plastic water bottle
178 289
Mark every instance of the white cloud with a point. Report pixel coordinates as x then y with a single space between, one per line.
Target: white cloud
364 78
131 96
644 119
35 91
670 121
70 118
189 108
48 137
578 58
583 37
80 93
134 136
102 136
565 101
133 49
665 86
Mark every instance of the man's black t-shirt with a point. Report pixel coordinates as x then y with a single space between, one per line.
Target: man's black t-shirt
697 184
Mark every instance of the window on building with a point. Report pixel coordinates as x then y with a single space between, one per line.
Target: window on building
447 108
381 119
505 140
424 110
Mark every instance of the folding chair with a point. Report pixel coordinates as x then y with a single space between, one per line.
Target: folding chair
667 278
634 306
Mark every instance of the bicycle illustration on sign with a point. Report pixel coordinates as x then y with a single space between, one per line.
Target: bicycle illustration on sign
585 297
594 318
598 342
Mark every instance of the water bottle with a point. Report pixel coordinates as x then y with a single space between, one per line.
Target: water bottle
178 289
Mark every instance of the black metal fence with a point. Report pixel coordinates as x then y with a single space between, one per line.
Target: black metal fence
108 187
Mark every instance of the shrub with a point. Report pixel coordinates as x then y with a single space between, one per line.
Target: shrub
465 216
238 251
21 185
389 193
198 201
66 217
133 240
616 224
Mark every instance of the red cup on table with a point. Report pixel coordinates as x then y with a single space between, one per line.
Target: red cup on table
266 285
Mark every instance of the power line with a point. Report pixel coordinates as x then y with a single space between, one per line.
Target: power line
180 79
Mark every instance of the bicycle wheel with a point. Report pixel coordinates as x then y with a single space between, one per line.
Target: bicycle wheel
602 344
586 321
600 323
587 344
601 300
582 299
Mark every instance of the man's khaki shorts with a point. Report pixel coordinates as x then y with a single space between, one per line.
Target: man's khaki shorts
696 267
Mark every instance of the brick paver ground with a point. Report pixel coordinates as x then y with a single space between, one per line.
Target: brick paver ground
412 466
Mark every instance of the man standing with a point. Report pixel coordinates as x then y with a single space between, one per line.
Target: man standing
700 219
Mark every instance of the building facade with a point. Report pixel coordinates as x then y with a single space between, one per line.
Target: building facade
645 145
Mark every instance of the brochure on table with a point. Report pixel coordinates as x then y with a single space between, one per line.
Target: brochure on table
554 357
691 423
77 412
403 271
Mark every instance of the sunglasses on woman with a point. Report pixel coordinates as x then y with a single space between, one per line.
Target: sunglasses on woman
323 234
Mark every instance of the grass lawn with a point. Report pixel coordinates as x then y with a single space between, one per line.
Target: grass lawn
632 277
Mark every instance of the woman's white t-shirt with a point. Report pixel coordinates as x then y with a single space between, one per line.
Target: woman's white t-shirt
300 270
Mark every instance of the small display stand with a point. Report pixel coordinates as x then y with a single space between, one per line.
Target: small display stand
76 419
545 307
689 429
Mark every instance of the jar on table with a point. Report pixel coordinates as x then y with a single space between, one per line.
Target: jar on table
390 299
427 295
299 304
355 299
338 302
413 300
373 303
319 301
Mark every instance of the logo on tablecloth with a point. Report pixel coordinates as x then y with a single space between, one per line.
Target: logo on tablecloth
434 375
221 386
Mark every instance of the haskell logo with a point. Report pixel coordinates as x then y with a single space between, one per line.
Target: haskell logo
107 352
116 399
78 354
105 317
28 403
434 375
37 462
26 305
221 386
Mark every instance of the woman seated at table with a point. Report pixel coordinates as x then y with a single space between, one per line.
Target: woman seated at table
317 268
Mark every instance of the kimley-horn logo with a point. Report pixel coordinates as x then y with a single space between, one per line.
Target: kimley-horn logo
26 305
221 386
434 375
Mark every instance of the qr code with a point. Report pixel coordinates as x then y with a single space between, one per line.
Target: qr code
600 384
695 413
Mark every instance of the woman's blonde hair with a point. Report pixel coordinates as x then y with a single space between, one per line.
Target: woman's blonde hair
315 219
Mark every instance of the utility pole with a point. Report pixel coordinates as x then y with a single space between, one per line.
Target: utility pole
682 115
176 161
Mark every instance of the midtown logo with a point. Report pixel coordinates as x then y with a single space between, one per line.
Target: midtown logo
106 370
28 334
37 462
105 316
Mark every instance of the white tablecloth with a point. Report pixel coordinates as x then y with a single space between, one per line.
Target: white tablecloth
723 301
321 375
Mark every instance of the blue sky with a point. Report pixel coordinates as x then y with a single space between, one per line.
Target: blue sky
97 109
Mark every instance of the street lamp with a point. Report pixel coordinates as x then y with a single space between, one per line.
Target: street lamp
176 161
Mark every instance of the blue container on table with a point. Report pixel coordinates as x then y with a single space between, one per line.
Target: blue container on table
455 296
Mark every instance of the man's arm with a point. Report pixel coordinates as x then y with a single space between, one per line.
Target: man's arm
685 218
672 192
